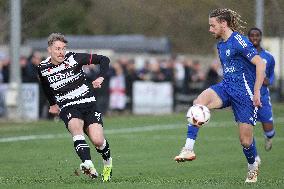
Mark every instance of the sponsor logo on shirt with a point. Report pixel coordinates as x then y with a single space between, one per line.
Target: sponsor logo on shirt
60 76
228 52
229 69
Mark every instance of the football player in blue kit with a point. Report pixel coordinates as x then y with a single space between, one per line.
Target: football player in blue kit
243 75
264 114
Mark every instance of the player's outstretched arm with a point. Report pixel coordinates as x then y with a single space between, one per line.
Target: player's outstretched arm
260 75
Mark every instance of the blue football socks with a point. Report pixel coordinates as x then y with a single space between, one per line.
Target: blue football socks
270 134
250 153
192 131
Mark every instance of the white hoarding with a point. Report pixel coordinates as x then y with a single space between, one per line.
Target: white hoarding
152 97
29 100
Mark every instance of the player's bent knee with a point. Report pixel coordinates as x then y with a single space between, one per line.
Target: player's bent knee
95 133
98 142
245 143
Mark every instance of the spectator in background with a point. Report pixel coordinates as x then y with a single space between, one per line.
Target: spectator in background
6 69
2 104
179 74
2 56
168 69
156 73
31 68
23 65
213 76
123 61
32 77
130 76
144 73
197 77
187 64
197 74
117 89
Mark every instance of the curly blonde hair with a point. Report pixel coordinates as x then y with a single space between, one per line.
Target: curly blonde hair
232 18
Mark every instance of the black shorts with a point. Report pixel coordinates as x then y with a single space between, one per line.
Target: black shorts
87 112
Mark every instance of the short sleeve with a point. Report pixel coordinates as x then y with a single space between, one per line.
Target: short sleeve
244 47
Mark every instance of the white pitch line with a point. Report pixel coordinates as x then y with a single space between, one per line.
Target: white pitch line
107 131
32 137
117 131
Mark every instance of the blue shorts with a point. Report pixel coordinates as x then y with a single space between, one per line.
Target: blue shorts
264 114
241 103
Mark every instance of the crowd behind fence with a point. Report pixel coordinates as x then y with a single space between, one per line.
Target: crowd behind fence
187 76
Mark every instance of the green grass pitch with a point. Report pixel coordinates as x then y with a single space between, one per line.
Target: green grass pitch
41 155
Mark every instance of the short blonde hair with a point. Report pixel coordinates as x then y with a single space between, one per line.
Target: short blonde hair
56 37
232 18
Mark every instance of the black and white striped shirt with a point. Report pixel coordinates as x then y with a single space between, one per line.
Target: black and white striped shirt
65 84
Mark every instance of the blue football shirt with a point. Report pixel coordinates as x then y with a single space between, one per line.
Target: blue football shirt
235 56
269 71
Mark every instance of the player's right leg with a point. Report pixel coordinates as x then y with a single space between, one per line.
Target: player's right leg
265 116
74 123
75 127
208 98
269 133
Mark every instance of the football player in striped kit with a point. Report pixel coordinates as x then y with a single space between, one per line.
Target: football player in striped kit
69 95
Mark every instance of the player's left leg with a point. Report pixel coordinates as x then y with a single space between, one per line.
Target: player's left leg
245 115
95 133
93 127
211 99
249 150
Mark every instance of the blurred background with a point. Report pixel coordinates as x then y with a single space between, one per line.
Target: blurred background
161 52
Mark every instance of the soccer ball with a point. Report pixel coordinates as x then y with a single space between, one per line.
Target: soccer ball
198 115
